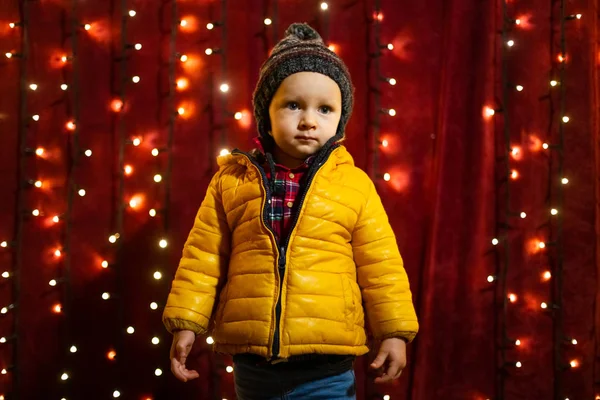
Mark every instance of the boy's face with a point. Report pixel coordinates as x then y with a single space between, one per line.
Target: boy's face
305 113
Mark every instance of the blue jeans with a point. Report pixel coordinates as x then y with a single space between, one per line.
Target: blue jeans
250 384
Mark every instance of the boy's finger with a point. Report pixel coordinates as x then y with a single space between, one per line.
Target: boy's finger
176 370
379 360
393 370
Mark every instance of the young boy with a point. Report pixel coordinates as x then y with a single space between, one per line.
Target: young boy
294 240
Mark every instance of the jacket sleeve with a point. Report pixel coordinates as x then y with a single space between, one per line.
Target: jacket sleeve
381 274
202 269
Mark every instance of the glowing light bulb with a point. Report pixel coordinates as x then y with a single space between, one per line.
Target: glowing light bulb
183 22
574 363
565 119
578 16
88 153
35 213
111 355
35 117
564 181
517 22
519 88
163 243
135 79
57 308
157 275
385 143
268 21
491 278
87 27
38 184
52 282
104 264
545 146
238 115
229 369
133 203
81 192
512 297
158 372
183 58
210 340
39 151
390 46
510 43
181 111
490 112
224 152
518 364
554 211
63 59
155 340
553 83
6 274
523 215
155 152
152 212
33 86
392 81
8 55
73 349
137 141
105 296
547 275
157 178
2 340
517 342
57 253
210 26
4 310
324 6
495 241
128 170
70 125
130 330
12 25
64 376
153 305
574 342
542 245
64 86
387 177
514 174
208 51
224 88
4 244
116 394
132 13
392 112
113 238
544 305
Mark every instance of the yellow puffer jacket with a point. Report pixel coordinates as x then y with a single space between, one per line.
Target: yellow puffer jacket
342 254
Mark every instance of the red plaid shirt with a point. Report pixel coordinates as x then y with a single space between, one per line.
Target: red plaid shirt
283 204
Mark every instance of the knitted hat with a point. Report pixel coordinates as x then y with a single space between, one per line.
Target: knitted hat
301 50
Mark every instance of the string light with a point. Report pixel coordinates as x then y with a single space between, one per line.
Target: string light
163 243
523 215
268 21
128 170
229 369
519 88
514 174
387 177
157 275
510 43
210 340
104 264
224 88
183 58
512 297
116 394
152 212
135 79
564 181
88 153
130 330
153 306
566 119
136 141
87 27
105 296
81 192
238 115
546 276
553 83
157 178
33 87
210 26
158 372
495 241
35 117
391 81
155 340
491 278
544 305
132 13
324 6
73 349
224 152
208 51
64 86
554 211
183 22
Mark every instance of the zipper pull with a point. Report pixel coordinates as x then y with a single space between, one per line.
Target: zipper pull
282 258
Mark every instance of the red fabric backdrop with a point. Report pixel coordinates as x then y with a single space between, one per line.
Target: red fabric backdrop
441 198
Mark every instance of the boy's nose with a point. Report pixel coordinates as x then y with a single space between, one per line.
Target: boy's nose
307 121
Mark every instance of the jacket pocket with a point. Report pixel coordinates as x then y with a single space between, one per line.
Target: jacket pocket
221 306
348 302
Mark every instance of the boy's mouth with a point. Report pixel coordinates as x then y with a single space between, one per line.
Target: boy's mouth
304 137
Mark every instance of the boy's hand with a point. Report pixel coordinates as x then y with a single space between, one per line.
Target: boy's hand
392 357
180 348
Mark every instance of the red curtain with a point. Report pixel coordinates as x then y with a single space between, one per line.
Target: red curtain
444 157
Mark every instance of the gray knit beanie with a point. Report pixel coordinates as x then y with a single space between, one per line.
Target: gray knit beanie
302 49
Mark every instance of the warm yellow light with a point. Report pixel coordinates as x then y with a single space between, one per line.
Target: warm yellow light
512 297
491 278
104 264
137 141
132 13
35 213
81 192
33 86
238 115
135 79
553 83
224 152
57 253
210 340
157 178
224 88
208 51
519 88
523 215
229 369
390 46
182 83
163 243
57 308
39 151
392 81
566 119
70 125
514 174
387 177
105 296
183 58
181 111
554 211
392 112
517 342
210 26
111 355
495 241
87 27
157 275
547 275
564 181
152 212
128 170
183 22
268 21
324 6
542 245
574 363
510 43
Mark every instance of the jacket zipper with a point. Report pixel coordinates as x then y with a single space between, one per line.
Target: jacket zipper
281 258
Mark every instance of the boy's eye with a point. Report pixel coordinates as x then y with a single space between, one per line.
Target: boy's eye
325 109
292 105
